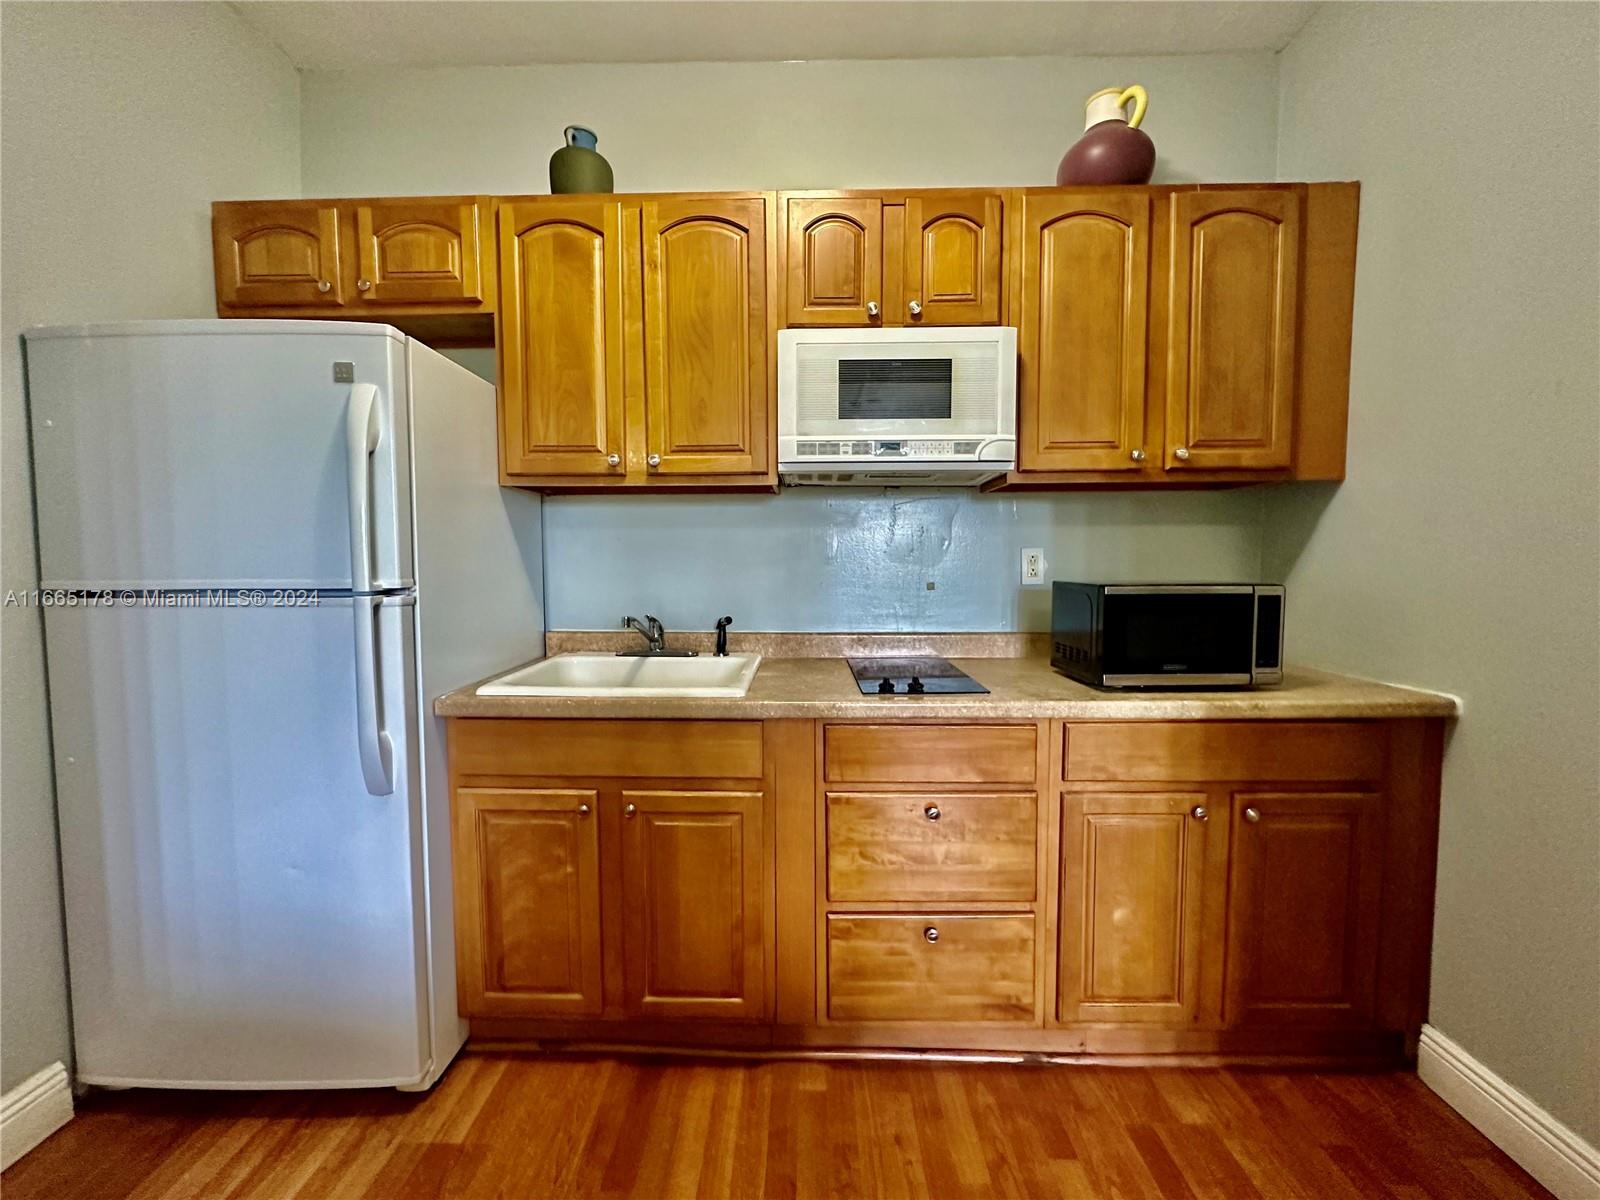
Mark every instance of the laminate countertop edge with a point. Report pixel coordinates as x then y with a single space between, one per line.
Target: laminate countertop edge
1019 689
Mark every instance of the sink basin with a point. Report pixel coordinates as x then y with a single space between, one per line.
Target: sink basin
610 675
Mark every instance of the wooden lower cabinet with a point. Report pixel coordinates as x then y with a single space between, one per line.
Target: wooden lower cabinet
528 901
1304 909
643 895
693 885
1140 874
1216 889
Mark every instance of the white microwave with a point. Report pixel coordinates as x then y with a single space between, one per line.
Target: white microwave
872 407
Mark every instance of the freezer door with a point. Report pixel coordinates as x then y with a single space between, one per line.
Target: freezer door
221 454
242 910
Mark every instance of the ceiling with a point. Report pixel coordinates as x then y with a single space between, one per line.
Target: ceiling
327 35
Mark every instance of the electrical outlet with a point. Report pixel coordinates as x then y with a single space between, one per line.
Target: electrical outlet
1033 568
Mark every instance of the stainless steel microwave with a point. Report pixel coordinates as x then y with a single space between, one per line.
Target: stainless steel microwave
1168 635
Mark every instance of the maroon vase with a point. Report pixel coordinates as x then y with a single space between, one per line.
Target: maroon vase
1112 149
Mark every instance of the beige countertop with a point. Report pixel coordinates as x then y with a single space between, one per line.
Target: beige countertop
1021 687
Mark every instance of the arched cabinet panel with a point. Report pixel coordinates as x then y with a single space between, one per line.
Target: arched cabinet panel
560 338
410 252
952 257
835 260
277 255
1231 333
706 336
1084 322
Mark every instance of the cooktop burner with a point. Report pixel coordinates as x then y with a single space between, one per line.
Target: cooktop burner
911 677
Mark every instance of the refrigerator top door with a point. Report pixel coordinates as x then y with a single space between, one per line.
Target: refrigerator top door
242 909
221 454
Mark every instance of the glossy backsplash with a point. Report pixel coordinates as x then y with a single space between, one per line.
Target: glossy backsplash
815 560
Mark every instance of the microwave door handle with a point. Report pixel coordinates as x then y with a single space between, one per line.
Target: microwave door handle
363 432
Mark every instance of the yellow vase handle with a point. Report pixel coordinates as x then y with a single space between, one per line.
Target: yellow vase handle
1141 101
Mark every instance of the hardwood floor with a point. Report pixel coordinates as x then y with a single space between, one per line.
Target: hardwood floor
536 1127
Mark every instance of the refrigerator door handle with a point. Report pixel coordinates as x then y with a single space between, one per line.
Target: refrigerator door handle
377 748
362 435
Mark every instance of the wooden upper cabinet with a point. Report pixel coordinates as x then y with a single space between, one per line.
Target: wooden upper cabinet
952 259
1137 871
1231 336
693 911
1084 265
560 338
1303 909
527 874
277 255
834 251
707 331
418 252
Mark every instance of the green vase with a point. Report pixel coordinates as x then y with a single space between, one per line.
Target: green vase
578 166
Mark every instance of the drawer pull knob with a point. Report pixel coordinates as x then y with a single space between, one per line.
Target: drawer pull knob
630 810
932 812
583 810
1199 812
930 934
1252 815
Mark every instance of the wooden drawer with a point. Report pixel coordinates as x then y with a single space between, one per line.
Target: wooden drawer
885 968
609 749
928 753
1223 751
930 846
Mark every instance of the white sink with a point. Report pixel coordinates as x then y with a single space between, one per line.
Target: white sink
612 675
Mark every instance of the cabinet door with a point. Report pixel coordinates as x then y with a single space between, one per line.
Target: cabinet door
1231 338
528 902
277 255
694 925
1082 330
1137 870
560 338
707 358
834 250
1303 909
418 252
952 259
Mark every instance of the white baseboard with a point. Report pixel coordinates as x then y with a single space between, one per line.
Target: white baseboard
1536 1141
32 1111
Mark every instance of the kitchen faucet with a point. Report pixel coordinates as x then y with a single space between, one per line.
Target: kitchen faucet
655 636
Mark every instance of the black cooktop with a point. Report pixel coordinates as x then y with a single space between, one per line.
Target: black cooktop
911 677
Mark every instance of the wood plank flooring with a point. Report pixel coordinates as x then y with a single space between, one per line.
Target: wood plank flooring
529 1127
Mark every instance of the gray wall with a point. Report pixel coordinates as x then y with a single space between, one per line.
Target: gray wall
121 123
1463 553
814 559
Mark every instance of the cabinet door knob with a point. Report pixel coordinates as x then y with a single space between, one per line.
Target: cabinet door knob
931 934
1137 456
583 810
1181 454
1199 812
613 459
916 308
630 810
363 284
654 460
1252 814
872 308
324 286
932 812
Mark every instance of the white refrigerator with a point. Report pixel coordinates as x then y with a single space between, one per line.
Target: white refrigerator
265 547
